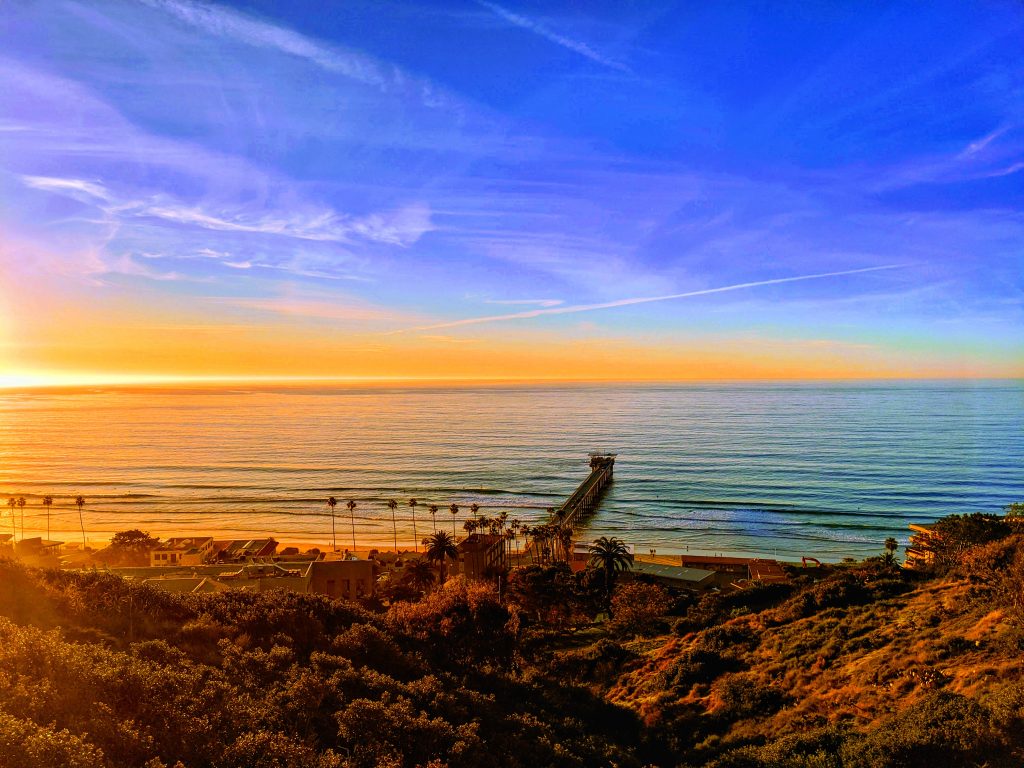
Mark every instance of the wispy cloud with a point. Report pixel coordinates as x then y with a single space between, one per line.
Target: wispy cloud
402 226
347 309
230 24
223 22
72 187
544 31
639 300
533 302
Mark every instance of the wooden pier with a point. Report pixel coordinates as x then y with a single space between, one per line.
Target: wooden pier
584 499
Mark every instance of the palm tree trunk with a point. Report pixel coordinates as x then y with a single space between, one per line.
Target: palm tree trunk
394 528
81 521
334 538
352 515
415 540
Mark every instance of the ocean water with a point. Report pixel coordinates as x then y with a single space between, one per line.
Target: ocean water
826 470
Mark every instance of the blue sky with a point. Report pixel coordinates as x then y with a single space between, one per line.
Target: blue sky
386 176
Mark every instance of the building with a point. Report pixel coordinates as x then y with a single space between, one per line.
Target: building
482 555
242 550
675 576
38 547
343 579
757 569
340 579
920 552
192 550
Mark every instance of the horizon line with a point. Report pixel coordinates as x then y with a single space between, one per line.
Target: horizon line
212 381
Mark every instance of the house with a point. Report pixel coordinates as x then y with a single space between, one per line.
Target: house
482 555
920 551
341 579
347 579
38 547
192 550
242 550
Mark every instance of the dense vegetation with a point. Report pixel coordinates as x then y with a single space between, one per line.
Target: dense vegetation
852 667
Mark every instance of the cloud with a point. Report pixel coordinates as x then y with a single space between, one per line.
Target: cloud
402 226
230 24
639 300
540 29
345 309
77 188
537 302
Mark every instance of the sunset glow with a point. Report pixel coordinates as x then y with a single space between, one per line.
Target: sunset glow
174 206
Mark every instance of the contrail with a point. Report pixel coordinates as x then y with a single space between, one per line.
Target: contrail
637 300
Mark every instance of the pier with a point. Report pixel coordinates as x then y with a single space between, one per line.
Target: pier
584 499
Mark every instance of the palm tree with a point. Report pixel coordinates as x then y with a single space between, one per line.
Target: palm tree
352 516
441 546
433 515
469 526
611 556
47 502
21 508
454 509
415 540
332 503
12 503
474 508
419 575
565 540
393 505
80 502
891 545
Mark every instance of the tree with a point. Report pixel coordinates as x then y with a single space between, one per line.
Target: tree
610 556
12 503
441 546
1016 509
891 545
454 509
80 502
132 547
393 505
433 515
419 575
332 503
952 535
352 517
47 502
415 538
474 508
638 607
21 508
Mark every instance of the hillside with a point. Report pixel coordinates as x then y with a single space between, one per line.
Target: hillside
857 667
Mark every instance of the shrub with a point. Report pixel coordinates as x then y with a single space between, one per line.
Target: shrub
941 729
639 608
743 695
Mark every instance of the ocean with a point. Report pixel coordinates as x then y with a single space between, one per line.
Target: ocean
824 470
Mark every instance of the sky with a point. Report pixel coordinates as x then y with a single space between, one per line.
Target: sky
621 190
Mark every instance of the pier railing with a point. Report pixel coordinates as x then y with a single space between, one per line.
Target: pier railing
584 499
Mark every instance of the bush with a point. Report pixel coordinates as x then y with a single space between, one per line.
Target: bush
639 608
23 744
941 729
743 695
